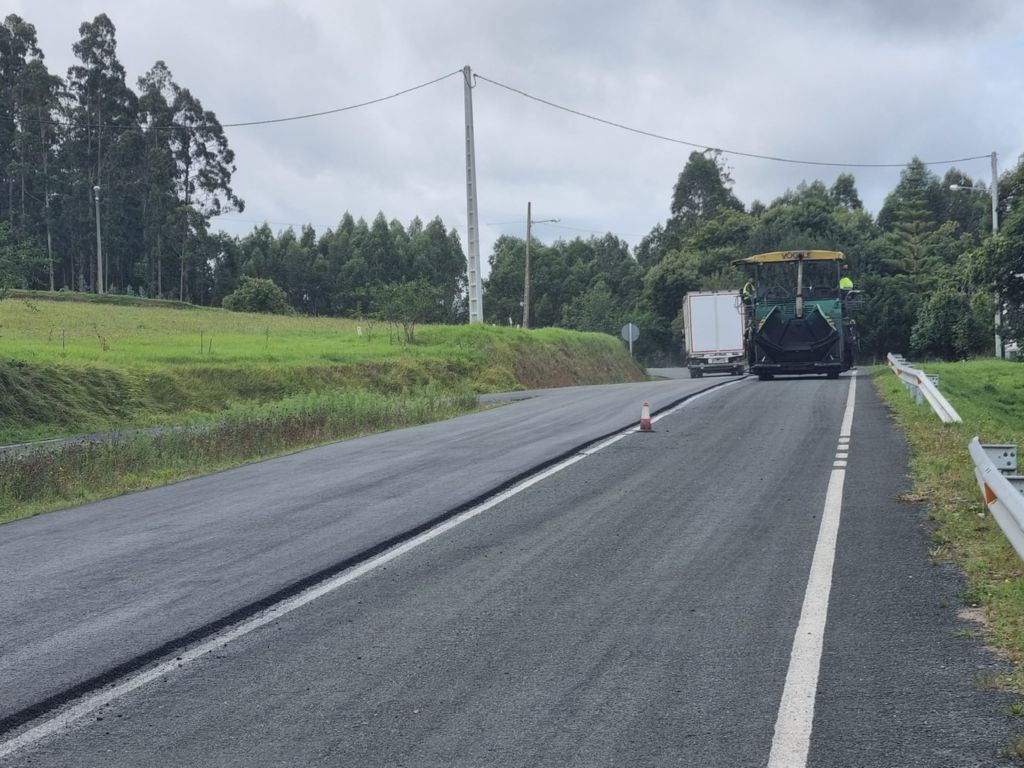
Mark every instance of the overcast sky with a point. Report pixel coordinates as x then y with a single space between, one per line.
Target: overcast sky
846 81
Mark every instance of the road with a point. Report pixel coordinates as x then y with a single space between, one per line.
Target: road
92 592
639 607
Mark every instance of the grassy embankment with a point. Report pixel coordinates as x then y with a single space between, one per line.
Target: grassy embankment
988 395
246 386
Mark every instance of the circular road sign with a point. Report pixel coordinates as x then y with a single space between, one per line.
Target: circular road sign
630 332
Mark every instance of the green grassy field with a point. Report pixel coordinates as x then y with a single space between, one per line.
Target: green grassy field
247 386
988 395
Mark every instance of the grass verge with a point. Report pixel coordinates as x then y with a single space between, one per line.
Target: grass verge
81 472
71 367
987 394
227 388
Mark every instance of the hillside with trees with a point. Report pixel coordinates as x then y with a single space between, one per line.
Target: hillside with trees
927 264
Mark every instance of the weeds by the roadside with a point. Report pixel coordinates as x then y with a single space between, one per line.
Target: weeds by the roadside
944 476
49 479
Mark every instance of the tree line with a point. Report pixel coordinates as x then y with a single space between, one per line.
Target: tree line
150 167
930 270
928 266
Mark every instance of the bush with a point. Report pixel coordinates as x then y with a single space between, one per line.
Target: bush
952 325
256 294
406 304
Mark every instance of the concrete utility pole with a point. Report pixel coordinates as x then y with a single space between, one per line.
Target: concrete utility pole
476 300
99 244
995 231
526 273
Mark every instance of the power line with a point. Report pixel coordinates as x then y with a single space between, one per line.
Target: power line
593 232
269 121
578 113
560 226
232 218
344 109
697 145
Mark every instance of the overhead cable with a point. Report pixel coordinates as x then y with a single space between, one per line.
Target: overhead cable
711 147
291 118
344 109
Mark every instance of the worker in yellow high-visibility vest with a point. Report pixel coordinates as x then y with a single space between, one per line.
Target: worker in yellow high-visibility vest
748 291
846 282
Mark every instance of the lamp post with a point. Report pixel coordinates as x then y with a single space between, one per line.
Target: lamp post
99 244
526 276
995 230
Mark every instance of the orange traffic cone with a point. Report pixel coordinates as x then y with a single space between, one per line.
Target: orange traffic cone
645 417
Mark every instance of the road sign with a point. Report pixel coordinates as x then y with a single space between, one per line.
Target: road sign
630 333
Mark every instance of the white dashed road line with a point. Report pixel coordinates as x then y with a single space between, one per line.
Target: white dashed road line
792 738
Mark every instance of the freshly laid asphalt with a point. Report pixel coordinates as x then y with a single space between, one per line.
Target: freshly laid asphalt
637 608
104 586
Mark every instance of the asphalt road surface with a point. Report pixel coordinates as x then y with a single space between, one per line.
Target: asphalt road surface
638 607
108 585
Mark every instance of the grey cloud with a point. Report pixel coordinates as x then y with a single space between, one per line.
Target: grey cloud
840 81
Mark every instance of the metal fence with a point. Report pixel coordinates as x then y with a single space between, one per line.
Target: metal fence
995 467
923 386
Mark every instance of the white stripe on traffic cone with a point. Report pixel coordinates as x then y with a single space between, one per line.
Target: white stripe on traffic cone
645 417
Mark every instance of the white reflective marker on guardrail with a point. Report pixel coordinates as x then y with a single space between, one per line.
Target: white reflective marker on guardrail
1003 493
923 387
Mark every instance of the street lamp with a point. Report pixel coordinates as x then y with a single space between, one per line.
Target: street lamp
99 244
995 230
526 276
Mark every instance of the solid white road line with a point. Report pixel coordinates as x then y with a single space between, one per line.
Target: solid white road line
792 738
91 702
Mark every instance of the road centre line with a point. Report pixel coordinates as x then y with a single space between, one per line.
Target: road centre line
792 739
94 701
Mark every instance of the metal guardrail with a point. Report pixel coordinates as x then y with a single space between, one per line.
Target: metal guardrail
1003 490
995 466
923 386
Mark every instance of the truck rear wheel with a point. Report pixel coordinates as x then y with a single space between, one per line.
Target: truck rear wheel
764 376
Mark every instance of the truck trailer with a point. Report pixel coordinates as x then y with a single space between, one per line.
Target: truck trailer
714 328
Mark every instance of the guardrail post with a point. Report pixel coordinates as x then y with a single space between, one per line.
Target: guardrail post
1003 456
1003 494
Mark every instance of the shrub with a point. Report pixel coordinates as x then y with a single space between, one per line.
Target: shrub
256 294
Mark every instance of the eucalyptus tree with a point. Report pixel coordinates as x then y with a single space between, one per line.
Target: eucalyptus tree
704 188
844 192
204 164
102 111
503 288
354 278
381 250
436 256
158 172
37 101
18 45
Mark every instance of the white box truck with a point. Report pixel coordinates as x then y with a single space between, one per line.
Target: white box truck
714 332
